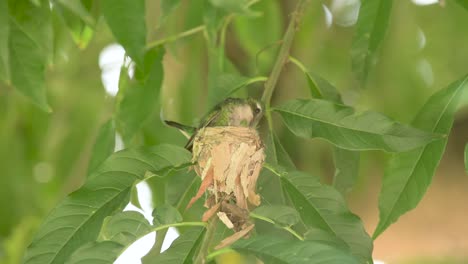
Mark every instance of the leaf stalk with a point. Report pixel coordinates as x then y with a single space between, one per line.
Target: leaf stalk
178 36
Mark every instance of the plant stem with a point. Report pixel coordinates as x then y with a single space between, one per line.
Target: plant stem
287 228
156 249
298 64
210 231
161 232
175 37
161 227
218 252
281 60
160 236
270 168
222 41
293 232
283 54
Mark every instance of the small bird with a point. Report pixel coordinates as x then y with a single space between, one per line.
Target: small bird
231 112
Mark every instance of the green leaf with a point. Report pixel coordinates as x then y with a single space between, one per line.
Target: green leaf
78 219
141 96
372 24
181 188
281 215
275 152
124 228
273 250
346 161
27 67
29 46
167 6
321 206
213 19
319 87
325 89
122 224
117 234
182 249
227 84
96 253
347 169
78 20
34 20
126 20
324 237
408 175
4 32
166 214
261 46
77 7
104 145
270 186
463 3
233 6
340 125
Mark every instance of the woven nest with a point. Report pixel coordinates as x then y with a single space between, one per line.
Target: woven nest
228 160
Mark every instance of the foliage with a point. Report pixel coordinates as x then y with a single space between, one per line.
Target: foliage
466 158
303 221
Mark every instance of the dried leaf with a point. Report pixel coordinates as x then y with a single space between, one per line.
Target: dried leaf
224 218
231 239
207 181
210 212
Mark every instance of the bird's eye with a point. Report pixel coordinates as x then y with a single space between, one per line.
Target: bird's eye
257 110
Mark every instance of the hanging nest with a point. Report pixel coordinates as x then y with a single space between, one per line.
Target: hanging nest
228 160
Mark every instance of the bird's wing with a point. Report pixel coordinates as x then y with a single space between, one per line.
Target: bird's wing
206 122
187 131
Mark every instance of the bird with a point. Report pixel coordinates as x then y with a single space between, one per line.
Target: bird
237 112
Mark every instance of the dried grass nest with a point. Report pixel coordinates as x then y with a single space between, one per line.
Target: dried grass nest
228 160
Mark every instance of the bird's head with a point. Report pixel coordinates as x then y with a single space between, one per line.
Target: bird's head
242 112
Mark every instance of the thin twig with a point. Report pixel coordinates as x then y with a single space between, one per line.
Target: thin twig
176 37
286 228
218 252
283 54
162 227
207 240
281 60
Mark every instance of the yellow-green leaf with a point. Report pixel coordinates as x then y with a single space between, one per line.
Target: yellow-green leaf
409 174
340 125
141 96
77 220
29 47
372 24
274 250
103 146
126 20
321 206
4 32
281 215
182 249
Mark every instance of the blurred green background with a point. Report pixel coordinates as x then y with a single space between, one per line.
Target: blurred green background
45 156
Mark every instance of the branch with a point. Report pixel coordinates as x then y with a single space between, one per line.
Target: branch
207 240
175 37
283 54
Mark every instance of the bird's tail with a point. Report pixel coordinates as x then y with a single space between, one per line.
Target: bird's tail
187 131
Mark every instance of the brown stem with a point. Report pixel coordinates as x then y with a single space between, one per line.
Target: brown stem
207 240
283 53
